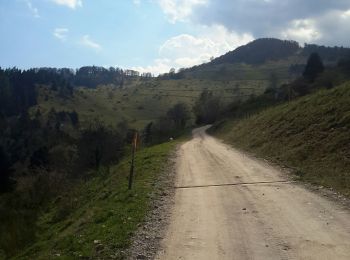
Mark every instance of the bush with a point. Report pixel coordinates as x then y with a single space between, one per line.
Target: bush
99 145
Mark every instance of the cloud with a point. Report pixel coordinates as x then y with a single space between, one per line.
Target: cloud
333 28
259 17
304 30
158 66
33 9
346 14
137 2
61 33
88 42
187 50
179 10
73 4
318 21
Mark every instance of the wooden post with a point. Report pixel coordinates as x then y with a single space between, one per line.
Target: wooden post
133 150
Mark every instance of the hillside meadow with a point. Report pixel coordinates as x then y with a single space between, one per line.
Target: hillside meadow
309 135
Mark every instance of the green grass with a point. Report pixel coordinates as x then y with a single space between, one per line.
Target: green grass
98 217
140 102
311 135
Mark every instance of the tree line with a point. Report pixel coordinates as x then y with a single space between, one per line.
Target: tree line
314 76
42 156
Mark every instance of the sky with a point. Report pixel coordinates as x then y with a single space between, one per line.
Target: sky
156 35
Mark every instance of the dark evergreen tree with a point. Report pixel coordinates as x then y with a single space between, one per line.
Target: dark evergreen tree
147 134
314 67
207 108
179 113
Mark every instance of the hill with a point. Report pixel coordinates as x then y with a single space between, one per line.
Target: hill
263 57
247 71
310 135
259 51
269 49
142 101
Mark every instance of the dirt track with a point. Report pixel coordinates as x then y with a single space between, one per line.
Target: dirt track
231 206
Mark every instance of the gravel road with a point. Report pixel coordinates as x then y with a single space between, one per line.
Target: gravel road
231 206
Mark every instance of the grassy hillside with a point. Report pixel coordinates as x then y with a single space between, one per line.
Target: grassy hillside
247 70
140 102
97 218
261 57
311 134
241 71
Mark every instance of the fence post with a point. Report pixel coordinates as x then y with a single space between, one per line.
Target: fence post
133 150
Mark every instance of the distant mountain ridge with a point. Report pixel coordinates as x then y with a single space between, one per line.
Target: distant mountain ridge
288 57
265 49
259 51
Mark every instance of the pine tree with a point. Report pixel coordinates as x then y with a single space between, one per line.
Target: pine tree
314 67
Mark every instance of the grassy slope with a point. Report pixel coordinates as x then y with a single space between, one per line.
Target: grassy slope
311 134
98 217
140 102
143 102
239 71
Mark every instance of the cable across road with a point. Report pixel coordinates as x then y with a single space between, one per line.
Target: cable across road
201 90
185 96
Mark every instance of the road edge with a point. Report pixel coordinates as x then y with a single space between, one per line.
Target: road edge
291 175
146 241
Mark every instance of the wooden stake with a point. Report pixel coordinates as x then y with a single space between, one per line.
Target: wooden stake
133 150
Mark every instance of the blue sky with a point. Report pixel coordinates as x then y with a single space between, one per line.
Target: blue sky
155 35
107 33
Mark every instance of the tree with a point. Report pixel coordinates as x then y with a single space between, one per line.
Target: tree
147 133
5 171
40 158
99 145
314 67
74 117
179 114
207 108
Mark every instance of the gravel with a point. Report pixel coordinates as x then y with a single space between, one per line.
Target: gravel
147 238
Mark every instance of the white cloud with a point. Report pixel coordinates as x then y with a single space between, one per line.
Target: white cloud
302 31
186 50
88 42
331 28
61 33
159 66
33 9
69 3
179 10
136 2
334 28
346 14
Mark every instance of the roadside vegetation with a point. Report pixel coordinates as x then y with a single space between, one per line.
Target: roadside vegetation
97 218
306 129
58 173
